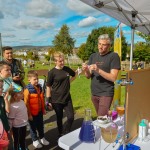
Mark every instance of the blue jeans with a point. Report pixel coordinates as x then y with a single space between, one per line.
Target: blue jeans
37 125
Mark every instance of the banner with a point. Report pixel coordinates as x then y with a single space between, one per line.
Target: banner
117 49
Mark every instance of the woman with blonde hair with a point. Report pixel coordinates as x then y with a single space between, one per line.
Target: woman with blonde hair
58 92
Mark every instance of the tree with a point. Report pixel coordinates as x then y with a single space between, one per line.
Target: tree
92 41
141 52
63 41
124 47
51 51
32 55
144 36
142 49
82 52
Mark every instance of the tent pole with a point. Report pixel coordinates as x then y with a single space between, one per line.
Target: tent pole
132 45
134 13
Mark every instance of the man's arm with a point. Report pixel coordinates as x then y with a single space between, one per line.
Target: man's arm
86 70
112 76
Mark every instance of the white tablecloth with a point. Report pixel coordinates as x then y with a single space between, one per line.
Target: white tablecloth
71 141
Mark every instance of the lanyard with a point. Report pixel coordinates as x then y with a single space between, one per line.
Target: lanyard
9 83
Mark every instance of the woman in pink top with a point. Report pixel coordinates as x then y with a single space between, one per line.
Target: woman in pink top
18 119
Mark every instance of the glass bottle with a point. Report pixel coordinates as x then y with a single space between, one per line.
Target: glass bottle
87 132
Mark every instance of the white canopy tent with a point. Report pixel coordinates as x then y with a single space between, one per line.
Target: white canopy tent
133 13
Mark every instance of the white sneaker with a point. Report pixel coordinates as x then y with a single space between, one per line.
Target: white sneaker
37 144
44 141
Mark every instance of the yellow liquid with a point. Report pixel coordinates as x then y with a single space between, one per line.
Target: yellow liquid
109 135
120 111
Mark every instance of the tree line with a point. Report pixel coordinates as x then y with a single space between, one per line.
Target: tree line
65 43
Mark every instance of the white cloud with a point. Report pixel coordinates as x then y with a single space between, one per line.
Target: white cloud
88 22
8 35
57 29
81 8
107 19
8 29
25 39
42 8
10 7
81 34
1 15
123 25
126 32
34 24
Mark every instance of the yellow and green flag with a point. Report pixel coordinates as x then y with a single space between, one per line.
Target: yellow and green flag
117 49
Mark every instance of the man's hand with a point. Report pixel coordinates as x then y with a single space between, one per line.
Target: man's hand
94 67
16 78
85 67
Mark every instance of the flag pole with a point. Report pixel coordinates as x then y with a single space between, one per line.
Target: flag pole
1 48
117 49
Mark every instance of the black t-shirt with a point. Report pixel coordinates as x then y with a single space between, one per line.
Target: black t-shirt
99 85
59 80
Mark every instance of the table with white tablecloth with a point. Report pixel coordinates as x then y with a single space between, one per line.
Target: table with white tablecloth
71 141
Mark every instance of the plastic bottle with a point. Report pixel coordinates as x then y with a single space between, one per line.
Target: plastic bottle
142 130
147 126
87 132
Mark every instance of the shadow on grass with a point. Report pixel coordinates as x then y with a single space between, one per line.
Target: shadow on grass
77 108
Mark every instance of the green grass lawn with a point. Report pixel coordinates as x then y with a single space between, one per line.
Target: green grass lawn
81 95
80 91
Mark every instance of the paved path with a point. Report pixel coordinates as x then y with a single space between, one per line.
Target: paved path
51 133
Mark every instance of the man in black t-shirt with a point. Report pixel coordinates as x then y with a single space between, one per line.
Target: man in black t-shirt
102 68
58 92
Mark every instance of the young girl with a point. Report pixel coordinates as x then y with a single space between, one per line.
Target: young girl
4 108
18 119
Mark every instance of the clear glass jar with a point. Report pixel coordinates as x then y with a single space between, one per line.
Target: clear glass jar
110 133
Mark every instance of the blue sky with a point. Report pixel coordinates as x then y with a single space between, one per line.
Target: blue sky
36 22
